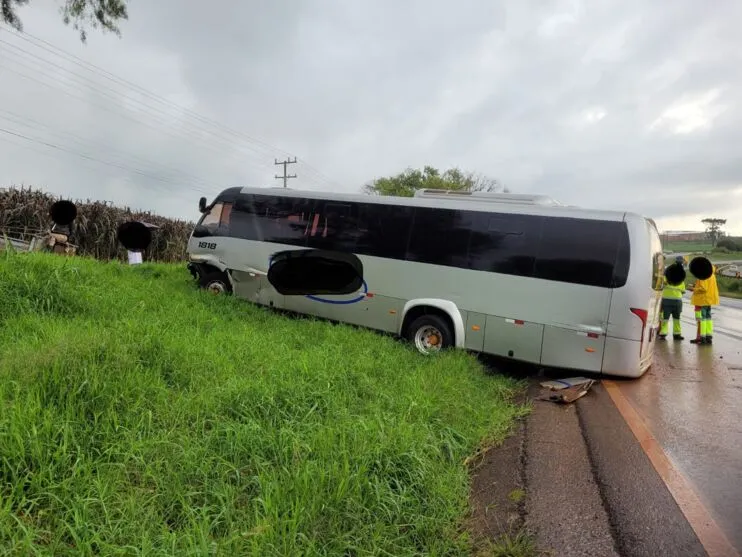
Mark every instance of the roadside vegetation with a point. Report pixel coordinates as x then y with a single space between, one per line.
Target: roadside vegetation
692 247
727 249
25 211
729 287
142 416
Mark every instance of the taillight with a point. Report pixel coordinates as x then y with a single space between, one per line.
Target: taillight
642 314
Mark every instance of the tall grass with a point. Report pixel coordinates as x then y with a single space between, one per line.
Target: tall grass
143 417
24 211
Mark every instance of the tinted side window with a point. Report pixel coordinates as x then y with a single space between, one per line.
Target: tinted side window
579 251
623 260
439 236
243 222
383 230
334 226
504 243
282 220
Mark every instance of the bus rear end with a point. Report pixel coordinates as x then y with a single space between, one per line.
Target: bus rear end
634 316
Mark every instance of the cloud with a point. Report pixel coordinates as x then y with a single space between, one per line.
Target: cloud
615 105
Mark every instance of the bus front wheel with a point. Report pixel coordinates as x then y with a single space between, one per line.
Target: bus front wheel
430 334
215 282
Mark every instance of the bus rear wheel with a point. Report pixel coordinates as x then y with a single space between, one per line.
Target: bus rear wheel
215 282
430 334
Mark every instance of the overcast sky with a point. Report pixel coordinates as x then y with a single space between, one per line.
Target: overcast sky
629 104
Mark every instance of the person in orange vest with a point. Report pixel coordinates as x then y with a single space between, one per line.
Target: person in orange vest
705 295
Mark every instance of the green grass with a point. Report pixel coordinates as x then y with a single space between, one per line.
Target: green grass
729 287
141 416
703 248
522 544
687 246
724 256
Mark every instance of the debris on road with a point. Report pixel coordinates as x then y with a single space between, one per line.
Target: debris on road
567 395
558 384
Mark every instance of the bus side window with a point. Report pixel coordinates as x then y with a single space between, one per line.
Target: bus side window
580 251
383 230
504 243
284 220
439 236
243 222
334 226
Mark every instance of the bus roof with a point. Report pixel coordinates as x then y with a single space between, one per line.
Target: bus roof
480 201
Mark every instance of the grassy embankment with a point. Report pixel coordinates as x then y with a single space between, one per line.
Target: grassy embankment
141 416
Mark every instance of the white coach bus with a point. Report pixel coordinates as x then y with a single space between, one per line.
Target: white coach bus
516 276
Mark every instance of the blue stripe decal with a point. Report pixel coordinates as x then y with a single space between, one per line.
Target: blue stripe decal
341 302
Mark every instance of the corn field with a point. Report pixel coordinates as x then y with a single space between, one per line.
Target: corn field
24 211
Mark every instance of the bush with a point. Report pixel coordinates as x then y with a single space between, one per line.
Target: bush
728 244
729 284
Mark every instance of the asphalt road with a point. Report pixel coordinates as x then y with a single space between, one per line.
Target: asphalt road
691 401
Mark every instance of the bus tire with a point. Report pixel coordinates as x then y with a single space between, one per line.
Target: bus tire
429 334
215 282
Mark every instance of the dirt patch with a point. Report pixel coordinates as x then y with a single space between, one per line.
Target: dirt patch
497 496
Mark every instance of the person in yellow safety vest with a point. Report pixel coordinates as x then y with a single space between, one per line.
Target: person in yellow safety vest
705 295
672 300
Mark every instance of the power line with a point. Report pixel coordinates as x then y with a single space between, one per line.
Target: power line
116 79
285 176
225 148
90 158
15 118
152 115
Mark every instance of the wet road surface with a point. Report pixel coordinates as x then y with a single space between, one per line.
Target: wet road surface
691 401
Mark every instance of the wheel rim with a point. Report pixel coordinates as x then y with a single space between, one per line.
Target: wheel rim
428 339
216 287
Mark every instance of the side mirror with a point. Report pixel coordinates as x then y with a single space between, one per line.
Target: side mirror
200 231
202 204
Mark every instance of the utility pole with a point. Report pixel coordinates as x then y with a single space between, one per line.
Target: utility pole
285 176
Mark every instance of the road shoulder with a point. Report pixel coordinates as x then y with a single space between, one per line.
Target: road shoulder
576 478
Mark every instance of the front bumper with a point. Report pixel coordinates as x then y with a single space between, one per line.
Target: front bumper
194 269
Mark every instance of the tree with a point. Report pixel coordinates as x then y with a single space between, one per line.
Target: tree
713 229
406 183
98 13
